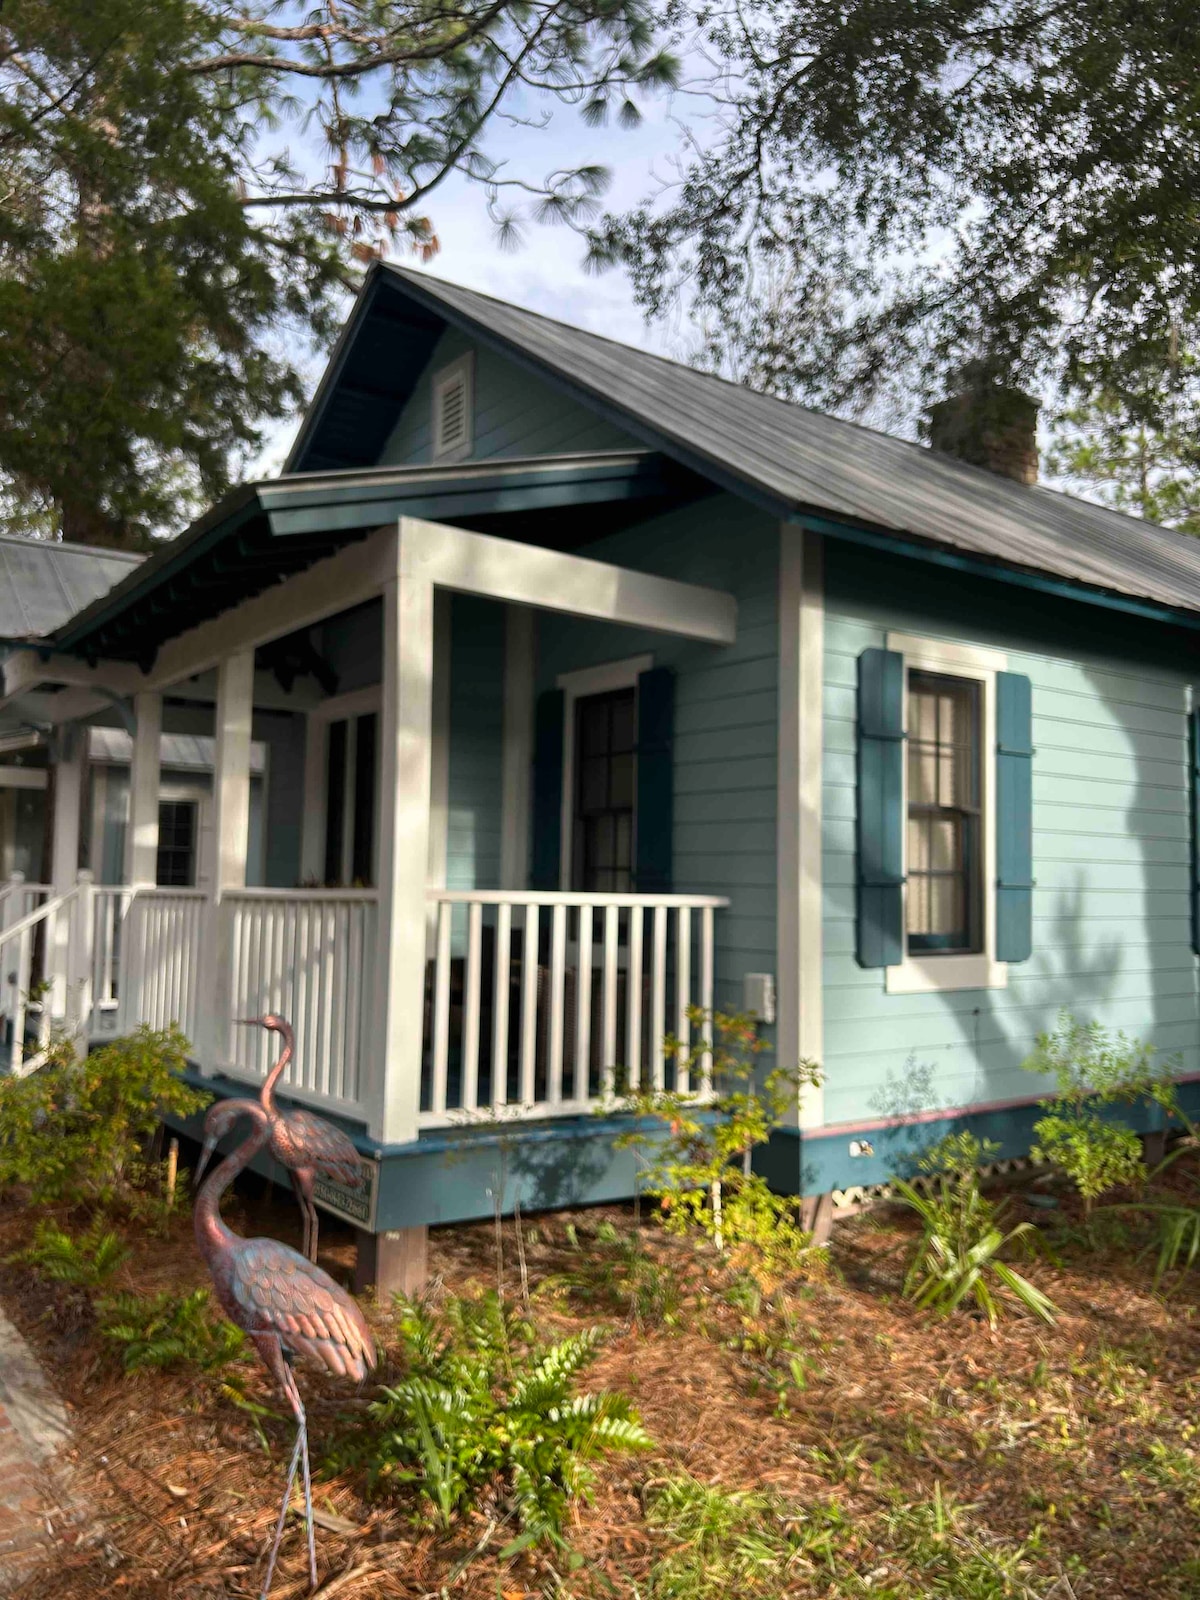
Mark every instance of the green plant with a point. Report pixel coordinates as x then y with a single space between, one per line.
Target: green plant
87 1261
169 1330
1094 1069
697 1161
75 1130
484 1406
613 1268
958 1255
724 1542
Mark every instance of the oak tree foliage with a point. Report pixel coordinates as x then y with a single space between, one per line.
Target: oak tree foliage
937 182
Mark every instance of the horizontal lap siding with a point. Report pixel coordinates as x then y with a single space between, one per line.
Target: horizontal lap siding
1111 852
515 414
726 706
476 739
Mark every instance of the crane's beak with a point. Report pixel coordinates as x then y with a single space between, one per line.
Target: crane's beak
210 1144
247 1022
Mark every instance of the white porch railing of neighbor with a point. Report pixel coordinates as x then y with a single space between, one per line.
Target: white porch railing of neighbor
155 939
539 1004
41 935
310 956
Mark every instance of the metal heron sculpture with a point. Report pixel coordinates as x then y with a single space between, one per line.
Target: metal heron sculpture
307 1146
287 1307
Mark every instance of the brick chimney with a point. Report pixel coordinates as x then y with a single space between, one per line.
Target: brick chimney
987 423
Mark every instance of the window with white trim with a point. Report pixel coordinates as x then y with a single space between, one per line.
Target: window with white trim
453 409
950 824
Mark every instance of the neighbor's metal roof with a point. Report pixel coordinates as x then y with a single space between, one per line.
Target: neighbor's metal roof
43 583
794 460
184 752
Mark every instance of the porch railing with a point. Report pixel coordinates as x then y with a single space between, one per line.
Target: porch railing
536 1004
539 1004
310 955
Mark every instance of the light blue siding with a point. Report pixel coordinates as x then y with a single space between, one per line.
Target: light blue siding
1110 843
476 736
726 703
515 413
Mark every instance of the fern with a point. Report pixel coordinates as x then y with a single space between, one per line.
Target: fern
87 1261
484 1406
160 1331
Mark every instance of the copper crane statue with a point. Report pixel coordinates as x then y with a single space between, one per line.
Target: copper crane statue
306 1145
288 1309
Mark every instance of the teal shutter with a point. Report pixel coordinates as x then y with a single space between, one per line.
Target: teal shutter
880 862
1194 737
1014 817
547 789
654 869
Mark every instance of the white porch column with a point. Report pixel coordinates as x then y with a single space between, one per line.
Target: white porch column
141 834
517 757
231 820
799 938
405 768
66 818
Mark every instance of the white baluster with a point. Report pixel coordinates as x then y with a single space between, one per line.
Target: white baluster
441 1008
683 991
500 995
608 1001
558 956
472 983
658 997
529 979
583 1006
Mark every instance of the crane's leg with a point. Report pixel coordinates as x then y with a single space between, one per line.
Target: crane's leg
300 1444
271 1351
302 1200
314 1227
308 1513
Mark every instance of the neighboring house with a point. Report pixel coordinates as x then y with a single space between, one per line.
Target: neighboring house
592 685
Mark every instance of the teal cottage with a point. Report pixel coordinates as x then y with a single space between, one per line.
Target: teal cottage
554 686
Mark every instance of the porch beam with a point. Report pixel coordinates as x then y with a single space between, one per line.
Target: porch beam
356 574
29 669
141 837
522 574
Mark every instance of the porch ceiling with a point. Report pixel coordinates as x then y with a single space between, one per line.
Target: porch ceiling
263 533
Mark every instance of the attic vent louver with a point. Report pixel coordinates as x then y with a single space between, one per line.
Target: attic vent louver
453 408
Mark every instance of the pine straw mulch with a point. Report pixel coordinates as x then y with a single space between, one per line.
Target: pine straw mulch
1077 1439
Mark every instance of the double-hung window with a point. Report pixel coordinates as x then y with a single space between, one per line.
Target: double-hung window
945 857
949 817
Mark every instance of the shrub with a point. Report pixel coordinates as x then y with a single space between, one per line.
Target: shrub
75 1129
484 1406
1096 1068
958 1256
169 1330
699 1163
86 1262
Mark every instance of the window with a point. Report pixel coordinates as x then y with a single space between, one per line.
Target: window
350 800
948 817
453 408
945 867
178 831
604 779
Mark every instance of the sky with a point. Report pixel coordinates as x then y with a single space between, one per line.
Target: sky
546 272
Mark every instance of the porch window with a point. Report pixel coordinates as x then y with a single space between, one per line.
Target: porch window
178 832
605 731
945 857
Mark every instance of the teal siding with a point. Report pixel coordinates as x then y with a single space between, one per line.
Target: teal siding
516 414
476 737
726 706
1110 847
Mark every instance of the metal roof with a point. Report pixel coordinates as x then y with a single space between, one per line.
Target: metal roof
785 457
261 533
183 752
43 583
